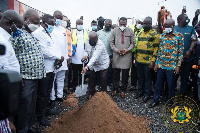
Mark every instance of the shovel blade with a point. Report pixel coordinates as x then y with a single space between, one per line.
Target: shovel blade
80 91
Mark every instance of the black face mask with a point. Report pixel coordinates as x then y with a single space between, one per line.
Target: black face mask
146 27
92 43
107 28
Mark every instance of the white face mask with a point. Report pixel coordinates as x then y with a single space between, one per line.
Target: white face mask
33 27
64 24
139 26
122 28
168 30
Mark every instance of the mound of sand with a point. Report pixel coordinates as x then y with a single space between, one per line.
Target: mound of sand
71 101
99 115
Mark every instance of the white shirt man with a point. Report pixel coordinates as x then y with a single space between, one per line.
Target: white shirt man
48 48
76 59
9 60
98 64
99 58
61 41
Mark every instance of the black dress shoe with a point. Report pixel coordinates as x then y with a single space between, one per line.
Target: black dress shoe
53 111
60 99
44 121
153 105
33 130
138 96
145 99
133 88
52 103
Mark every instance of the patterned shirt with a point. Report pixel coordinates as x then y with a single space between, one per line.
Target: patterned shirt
29 56
4 126
147 47
170 52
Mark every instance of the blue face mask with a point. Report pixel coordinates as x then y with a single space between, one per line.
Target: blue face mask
58 22
94 27
17 33
80 27
50 28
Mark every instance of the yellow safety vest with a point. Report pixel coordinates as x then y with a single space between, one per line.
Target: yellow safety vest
74 36
136 33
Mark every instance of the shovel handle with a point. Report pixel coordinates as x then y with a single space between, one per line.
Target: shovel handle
82 82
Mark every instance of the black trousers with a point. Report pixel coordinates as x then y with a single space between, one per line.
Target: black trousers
116 79
185 72
70 77
93 80
134 76
76 70
43 95
25 117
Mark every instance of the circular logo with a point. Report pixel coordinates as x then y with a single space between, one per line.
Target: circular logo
181 114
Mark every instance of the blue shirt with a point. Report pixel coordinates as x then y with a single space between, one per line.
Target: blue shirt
187 32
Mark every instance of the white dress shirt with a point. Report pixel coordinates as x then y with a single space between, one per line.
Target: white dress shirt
48 48
9 60
76 59
98 56
61 41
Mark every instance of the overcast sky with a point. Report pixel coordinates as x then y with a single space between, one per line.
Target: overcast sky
91 9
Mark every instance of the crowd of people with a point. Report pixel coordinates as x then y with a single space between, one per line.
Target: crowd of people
48 55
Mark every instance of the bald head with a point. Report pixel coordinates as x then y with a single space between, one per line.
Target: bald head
93 38
79 22
30 13
169 22
10 21
93 35
31 17
148 21
58 15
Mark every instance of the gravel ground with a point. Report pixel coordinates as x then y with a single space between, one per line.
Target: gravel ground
129 105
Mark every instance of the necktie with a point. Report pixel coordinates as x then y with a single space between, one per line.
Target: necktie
122 32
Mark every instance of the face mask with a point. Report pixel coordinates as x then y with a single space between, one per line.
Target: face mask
80 27
17 33
199 18
58 22
186 22
146 27
50 28
168 30
94 27
122 28
64 24
108 28
92 43
139 26
33 27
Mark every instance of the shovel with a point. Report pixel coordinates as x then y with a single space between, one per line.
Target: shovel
81 89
